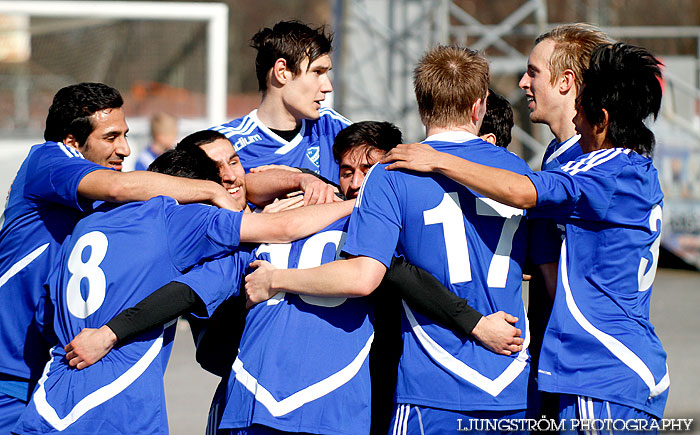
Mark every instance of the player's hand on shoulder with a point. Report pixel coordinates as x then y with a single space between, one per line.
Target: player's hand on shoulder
414 156
258 285
278 205
89 346
497 333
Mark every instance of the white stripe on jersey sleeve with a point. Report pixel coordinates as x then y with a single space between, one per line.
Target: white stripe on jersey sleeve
360 194
21 264
596 158
335 115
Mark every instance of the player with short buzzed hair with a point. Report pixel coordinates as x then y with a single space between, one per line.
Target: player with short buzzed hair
600 351
290 127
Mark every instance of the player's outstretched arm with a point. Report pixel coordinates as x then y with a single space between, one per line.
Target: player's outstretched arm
113 186
504 186
354 277
290 225
264 186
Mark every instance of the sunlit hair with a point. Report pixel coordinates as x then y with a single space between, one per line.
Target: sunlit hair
573 45
289 40
447 82
625 81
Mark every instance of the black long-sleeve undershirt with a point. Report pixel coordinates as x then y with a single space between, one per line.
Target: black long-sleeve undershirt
420 289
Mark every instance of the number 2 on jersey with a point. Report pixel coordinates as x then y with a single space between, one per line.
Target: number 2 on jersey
449 214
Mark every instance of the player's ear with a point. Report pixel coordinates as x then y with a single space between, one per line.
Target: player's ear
280 72
71 141
567 81
602 127
477 112
489 137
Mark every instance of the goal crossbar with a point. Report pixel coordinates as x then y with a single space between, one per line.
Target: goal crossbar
214 14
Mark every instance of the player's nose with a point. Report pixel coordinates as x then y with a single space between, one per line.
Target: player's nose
524 82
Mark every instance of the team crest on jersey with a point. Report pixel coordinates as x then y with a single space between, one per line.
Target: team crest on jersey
243 142
314 154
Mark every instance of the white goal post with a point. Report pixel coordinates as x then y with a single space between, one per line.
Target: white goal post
214 14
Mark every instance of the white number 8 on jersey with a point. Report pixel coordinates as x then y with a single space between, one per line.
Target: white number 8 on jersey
90 270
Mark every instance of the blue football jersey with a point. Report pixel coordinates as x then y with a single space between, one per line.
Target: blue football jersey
312 148
599 342
546 236
559 153
303 360
217 280
116 257
42 209
475 246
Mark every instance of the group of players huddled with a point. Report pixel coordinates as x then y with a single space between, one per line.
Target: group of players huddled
374 287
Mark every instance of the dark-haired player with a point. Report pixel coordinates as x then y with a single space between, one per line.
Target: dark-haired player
290 127
114 258
79 162
600 351
498 120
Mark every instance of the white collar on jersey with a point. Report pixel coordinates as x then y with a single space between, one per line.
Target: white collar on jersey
563 147
451 136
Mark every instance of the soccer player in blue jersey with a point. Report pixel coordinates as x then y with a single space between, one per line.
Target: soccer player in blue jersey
600 351
553 78
79 162
115 257
473 245
290 127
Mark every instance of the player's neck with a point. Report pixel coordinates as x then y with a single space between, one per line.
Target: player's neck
563 127
274 115
433 130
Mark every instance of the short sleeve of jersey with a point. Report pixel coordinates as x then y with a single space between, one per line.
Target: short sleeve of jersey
563 193
375 223
56 171
197 231
217 280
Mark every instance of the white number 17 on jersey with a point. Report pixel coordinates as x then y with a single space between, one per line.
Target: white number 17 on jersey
449 214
